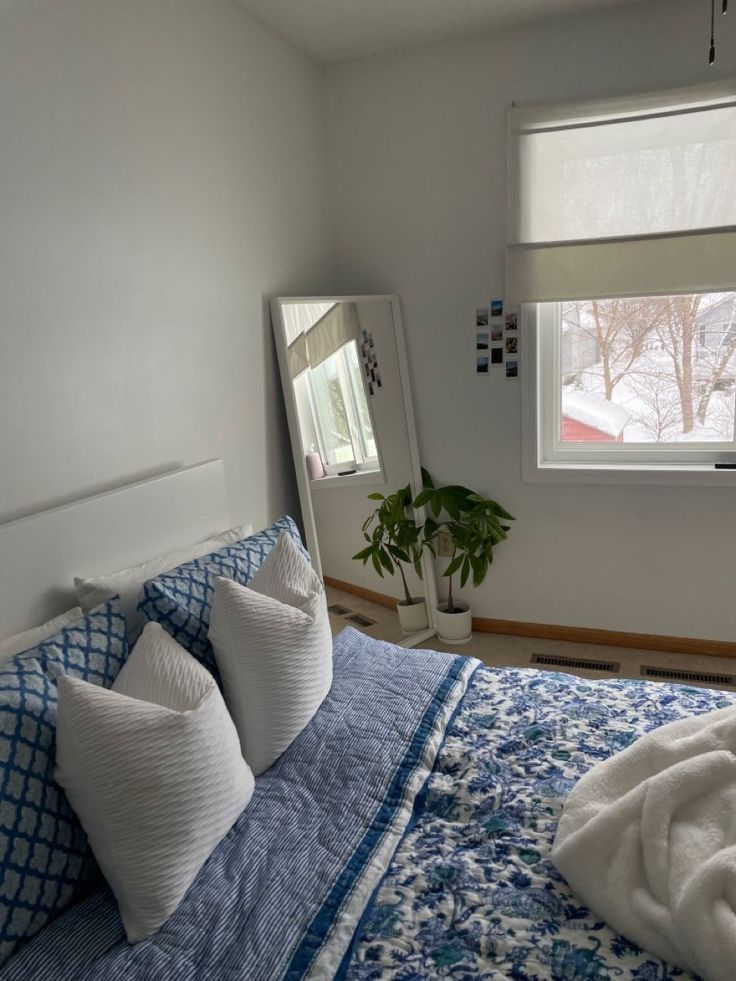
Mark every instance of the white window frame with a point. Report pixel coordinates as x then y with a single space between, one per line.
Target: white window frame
544 460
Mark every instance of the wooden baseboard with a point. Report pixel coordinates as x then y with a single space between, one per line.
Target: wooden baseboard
367 594
576 635
607 638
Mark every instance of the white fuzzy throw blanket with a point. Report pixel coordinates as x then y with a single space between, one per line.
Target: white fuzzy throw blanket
647 840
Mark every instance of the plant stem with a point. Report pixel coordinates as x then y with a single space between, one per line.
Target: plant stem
450 601
407 594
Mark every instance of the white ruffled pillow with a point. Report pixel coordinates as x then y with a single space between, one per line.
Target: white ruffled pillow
273 647
154 771
33 637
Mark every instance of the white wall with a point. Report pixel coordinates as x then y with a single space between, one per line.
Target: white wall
161 174
417 149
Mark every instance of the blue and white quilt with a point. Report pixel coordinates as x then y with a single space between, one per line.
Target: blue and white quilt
471 892
404 835
282 893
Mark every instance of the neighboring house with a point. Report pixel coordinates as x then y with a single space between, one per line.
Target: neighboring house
587 418
716 329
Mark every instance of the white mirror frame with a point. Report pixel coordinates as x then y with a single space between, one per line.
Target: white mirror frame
299 452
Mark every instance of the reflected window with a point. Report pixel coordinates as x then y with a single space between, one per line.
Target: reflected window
334 394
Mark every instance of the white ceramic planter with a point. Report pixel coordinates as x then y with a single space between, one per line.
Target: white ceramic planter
412 617
454 628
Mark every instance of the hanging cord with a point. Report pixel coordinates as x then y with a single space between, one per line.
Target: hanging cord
724 9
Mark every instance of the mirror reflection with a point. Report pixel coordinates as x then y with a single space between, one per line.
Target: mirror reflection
347 398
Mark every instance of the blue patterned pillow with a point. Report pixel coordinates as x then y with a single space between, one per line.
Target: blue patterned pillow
180 600
43 850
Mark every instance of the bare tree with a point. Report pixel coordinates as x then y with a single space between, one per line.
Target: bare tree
661 418
620 328
677 330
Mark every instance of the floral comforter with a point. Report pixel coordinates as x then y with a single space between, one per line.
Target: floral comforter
471 892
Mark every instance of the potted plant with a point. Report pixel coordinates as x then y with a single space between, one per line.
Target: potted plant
395 539
473 524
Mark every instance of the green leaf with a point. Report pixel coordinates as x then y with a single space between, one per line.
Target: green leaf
464 572
399 553
453 566
375 496
422 498
364 554
377 564
385 560
501 512
480 567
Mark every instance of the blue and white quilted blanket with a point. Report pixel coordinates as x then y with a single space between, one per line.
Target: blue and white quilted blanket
281 895
421 815
471 892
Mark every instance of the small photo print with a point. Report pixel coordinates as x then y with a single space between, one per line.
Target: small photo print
481 364
379 383
481 317
512 369
497 308
512 321
371 390
481 341
496 355
512 345
497 332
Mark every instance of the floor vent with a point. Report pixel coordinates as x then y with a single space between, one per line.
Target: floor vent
338 610
678 674
360 620
576 662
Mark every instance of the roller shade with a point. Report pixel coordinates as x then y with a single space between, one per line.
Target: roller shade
298 357
337 327
623 198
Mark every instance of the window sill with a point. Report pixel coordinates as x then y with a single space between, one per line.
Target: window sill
681 475
366 478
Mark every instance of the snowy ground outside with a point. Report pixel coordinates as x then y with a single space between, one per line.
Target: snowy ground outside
650 395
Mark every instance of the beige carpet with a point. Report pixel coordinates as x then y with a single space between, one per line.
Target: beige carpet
502 650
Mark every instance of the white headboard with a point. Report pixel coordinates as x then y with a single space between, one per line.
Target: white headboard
41 554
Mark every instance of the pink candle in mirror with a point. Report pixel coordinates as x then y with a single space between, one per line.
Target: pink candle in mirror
315 469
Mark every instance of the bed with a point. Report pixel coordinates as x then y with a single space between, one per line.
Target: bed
404 834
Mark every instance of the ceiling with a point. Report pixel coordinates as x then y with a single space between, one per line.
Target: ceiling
333 30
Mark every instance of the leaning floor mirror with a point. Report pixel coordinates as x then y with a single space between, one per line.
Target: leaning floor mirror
351 421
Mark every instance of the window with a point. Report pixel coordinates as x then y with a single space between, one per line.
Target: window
622 251
639 379
333 395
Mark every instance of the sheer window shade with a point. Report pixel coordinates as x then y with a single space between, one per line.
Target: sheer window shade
335 328
623 198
